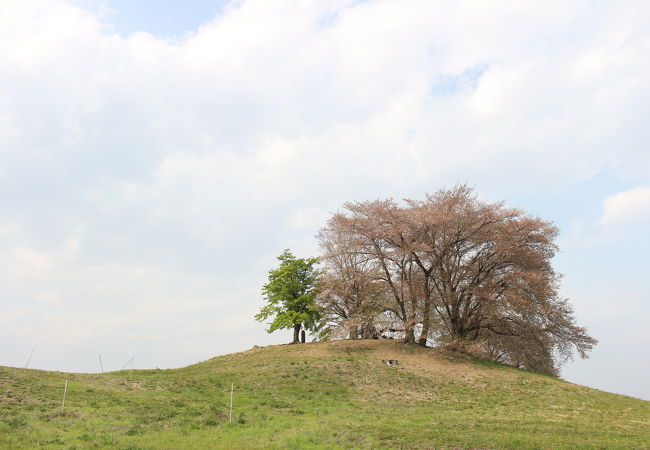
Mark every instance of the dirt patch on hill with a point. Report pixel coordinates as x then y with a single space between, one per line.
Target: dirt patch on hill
425 362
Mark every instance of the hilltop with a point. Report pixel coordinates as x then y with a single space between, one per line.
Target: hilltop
314 395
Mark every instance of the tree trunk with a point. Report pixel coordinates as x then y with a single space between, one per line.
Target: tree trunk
426 323
354 331
369 332
302 336
409 335
296 333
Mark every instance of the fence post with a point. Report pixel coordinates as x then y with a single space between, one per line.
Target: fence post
127 363
30 357
232 389
65 391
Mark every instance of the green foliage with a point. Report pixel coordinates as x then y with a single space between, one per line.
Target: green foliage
290 294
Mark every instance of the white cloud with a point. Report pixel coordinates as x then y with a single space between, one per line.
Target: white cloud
622 216
626 207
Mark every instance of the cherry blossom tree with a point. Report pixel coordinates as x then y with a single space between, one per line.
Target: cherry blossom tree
480 272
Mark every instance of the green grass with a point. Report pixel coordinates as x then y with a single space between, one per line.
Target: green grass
323 395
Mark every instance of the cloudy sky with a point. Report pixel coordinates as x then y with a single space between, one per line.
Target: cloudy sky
156 156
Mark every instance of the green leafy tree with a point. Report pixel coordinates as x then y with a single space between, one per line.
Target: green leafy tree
290 295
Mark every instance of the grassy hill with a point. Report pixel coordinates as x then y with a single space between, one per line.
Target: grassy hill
317 395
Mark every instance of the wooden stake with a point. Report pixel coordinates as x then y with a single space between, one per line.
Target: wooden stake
127 363
65 391
232 389
30 357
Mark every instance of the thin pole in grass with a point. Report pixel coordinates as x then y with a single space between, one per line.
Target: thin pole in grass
65 391
127 363
100 363
232 390
30 357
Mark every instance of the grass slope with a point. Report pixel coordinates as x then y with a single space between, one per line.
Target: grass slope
319 395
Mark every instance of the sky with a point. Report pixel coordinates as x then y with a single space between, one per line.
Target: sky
156 157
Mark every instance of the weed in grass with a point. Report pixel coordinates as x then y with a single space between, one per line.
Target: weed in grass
86 437
16 422
108 440
134 431
56 441
210 422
